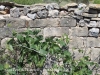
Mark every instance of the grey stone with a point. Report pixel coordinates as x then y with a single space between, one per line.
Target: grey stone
6 32
15 23
55 31
68 22
4 42
79 31
55 5
78 17
42 14
49 7
82 6
14 12
89 15
78 12
36 9
2 7
92 24
44 22
82 23
63 13
53 13
86 20
90 42
95 19
94 32
98 23
25 10
32 16
99 15
76 42
71 5
2 23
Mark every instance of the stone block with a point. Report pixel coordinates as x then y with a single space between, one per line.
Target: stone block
2 23
14 12
94 6
94 32
6 32
15 23
76 42
89 15
44 22
4 42
79 31
92 42
68 22
55 31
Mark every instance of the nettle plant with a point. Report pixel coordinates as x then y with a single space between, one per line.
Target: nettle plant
52 54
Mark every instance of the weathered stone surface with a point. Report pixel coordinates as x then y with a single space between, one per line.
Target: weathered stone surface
94 32
25 10
82 23
55 5
76 42
68 22
95 19
6 32
32 16
44 22
71 4
79 31
55 31
2 22
4 42
36 9
99 15
15 23
42 14
2 7
63 13
92 24
53 13
14 12
90 42
78 12
89 15
94 6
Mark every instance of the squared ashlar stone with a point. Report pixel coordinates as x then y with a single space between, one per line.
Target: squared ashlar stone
15 23
55 31
79 31
44 22
76 42
68 22
92 42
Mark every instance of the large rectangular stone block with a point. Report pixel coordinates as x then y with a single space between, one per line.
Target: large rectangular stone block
55 31
76 42
68 22
15 22
92 42
44 22
79 31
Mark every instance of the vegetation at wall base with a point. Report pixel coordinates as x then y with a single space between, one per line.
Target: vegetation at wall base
30 51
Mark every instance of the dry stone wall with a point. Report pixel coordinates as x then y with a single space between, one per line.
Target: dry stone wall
80 21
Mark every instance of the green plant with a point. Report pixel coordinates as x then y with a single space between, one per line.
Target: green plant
30 48
96 1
